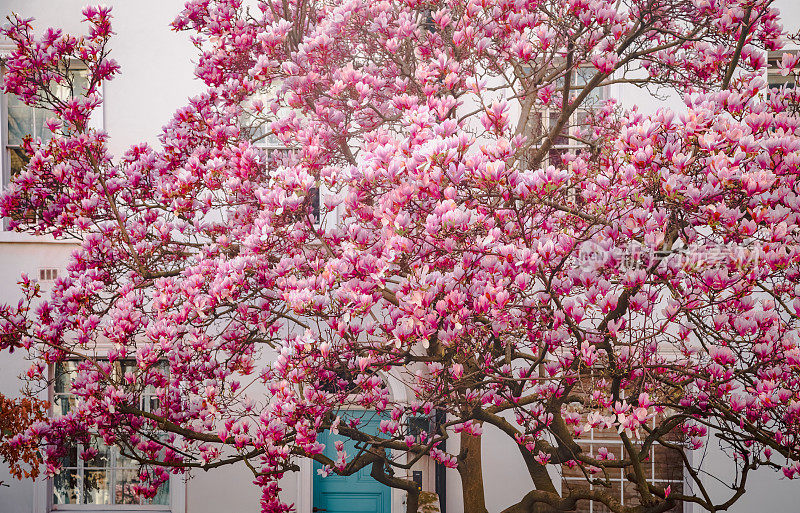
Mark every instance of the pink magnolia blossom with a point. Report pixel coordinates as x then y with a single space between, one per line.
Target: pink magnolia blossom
646 279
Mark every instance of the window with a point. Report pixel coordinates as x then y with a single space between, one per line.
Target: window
419 425
335 382
26 121
108 477
774 78
541 120
663 467
277 154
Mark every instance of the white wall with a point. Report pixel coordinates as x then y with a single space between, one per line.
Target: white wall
767 491
156 79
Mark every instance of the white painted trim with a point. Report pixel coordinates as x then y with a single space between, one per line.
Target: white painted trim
43 488
305 486
98 118
41 496
97 121
177 493
398 393
689 507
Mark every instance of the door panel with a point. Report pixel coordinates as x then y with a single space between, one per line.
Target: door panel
357 493
344 502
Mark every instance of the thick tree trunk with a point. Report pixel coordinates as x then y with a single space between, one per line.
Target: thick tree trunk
412 501
469 467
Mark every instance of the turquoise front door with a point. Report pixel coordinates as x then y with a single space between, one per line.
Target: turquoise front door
357 493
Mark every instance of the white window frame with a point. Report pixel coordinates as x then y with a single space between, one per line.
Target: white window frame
269 144
96 121
43 489
773 76
593 443
548 115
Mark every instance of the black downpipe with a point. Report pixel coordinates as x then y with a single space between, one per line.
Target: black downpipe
440 478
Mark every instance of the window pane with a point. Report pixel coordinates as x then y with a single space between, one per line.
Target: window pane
65 373
583 77
124 490
71 458
40 117
554 114
18 160
128 366
63 404
631 494
96 487
24 120
276 157
106 478
535 128
272 140
647 465
150 403
576 471
315 213
124 461
676 488
162 496
63 400
65 487
253 129
777 81
584 507
20 121
101 459
555 157
582 122
668 464
615 492
80 84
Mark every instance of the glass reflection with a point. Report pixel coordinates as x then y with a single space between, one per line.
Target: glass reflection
96 487
65 487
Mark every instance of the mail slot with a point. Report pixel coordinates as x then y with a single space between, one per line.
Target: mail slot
416 475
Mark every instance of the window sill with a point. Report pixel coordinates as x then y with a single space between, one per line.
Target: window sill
104 508
29 238
89 508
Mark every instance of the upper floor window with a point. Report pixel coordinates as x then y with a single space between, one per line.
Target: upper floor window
277 154
570 139
107 477
775 80
23 121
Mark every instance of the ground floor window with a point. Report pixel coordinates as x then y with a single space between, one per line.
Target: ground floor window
107 477
663 467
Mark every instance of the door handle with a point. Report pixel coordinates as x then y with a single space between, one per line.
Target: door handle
318 509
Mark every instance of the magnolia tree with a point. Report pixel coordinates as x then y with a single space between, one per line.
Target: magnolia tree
641 285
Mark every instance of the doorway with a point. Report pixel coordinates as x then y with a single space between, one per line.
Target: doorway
359 492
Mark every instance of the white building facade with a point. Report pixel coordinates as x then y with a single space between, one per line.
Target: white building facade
156 79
